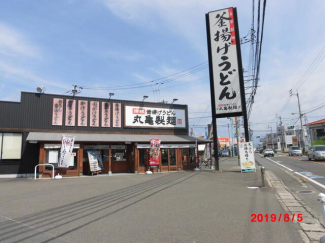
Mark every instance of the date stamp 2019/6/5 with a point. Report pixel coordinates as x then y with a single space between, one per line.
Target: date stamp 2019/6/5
276 217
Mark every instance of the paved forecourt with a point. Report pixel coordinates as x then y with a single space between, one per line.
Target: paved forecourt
190 206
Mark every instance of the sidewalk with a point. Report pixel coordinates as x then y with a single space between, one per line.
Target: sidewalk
202 206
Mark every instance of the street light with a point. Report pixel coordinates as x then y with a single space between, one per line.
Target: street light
174 100
110 95
144 97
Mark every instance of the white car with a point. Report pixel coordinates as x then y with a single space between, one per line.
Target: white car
295 150
268 152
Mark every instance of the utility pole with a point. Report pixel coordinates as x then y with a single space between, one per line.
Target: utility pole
232 137
302 137
237 133
271 137
229 140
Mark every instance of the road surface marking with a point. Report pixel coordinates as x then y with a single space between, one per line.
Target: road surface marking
308 178
304 160
281 165
311 180
291 157
316 162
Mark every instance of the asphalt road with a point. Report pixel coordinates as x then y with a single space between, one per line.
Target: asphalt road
164 207
285 167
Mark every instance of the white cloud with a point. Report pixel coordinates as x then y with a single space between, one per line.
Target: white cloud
28 78
184 18
14 43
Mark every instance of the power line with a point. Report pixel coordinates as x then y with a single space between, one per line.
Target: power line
311 68
166 79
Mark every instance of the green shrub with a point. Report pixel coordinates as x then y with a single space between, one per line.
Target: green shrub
318 142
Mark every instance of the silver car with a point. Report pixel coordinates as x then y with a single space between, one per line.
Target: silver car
316 152
295 150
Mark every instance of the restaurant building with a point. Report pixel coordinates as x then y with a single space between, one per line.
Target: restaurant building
119 130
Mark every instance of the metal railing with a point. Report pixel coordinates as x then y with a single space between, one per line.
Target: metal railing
44 165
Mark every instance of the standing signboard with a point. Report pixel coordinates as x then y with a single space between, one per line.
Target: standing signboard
225 69
95 160
66 151
154 152
247 158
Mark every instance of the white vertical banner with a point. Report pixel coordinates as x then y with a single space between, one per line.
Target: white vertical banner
224 58
66 151
247 158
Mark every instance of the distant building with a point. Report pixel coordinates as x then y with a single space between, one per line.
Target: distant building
316 129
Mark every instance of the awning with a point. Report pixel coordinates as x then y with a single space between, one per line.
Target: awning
100 137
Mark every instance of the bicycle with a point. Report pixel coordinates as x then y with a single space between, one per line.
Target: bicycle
205 163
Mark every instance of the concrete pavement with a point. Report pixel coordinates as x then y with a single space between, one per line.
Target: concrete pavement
291 191
190 206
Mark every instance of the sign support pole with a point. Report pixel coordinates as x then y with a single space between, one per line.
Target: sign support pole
213 104
241 78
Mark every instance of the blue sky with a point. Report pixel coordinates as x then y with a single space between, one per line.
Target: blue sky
110 43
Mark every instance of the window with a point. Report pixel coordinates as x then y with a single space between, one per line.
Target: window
168 154
192 156
10 145
185 153
143 155
172 156
53 156
320 148
164 157
119 154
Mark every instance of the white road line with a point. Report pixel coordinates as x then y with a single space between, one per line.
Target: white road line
311 180
281 165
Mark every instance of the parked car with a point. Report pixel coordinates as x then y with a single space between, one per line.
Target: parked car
261 151
268 152
225 153
316 152
275 151
295 150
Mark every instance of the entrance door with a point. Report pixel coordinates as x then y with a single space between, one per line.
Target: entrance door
168 159
120 160
188 158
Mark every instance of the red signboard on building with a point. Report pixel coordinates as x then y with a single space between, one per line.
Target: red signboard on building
223 140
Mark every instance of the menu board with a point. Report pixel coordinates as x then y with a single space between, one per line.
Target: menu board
247 158
95 161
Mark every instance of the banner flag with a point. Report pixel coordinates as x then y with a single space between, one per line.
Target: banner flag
66 151
154 152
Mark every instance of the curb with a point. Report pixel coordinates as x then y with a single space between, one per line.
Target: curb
312 228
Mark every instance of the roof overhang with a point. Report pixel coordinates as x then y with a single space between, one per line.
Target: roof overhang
100 137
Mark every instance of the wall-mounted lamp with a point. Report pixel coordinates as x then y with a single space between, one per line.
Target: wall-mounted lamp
40 89
174 100
144 97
